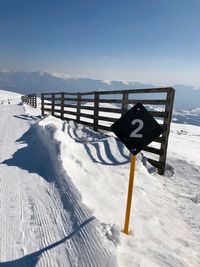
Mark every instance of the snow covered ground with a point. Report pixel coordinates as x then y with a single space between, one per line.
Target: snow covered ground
6 97
63 192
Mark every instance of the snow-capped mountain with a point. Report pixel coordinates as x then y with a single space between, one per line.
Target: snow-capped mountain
187 116
45 81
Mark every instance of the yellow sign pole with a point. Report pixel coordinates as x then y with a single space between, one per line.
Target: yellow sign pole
130 191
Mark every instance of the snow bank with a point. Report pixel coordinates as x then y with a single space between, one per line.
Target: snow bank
101 245
98 166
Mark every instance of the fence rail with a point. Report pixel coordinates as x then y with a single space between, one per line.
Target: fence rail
100 109
30 100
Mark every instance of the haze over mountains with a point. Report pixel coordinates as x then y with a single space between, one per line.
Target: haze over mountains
43 81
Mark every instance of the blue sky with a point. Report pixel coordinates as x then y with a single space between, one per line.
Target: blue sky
154 41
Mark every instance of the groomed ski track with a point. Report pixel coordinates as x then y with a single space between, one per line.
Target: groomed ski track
43 221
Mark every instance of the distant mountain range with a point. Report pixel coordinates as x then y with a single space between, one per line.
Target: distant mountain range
43 81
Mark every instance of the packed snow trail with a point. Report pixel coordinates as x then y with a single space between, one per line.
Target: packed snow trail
43 221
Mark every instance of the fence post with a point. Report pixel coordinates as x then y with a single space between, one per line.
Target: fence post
124 102
62 106
78 107
35 101
53 104
167 121
96 110
32 100
42 104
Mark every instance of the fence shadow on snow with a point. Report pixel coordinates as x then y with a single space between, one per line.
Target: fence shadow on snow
97 146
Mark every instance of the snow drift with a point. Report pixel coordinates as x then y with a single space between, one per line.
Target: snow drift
98 166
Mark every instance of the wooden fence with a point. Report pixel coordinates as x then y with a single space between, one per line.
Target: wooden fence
100 109
30 100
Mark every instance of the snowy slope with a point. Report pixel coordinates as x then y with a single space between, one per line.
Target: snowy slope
62 182
11 97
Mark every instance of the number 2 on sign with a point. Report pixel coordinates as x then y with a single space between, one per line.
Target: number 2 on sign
135 133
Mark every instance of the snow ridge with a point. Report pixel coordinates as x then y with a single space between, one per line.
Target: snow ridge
88 242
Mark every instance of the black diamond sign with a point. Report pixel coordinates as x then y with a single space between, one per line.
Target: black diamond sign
137 128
